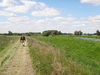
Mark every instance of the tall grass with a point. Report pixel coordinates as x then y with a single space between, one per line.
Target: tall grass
6 45
48 60
5 41
86 53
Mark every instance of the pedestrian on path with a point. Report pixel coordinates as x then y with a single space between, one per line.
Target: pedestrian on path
22 40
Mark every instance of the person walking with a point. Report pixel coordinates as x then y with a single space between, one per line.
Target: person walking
22 40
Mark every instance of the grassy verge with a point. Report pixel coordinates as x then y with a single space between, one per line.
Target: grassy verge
5 41
48 60
86 53
6 48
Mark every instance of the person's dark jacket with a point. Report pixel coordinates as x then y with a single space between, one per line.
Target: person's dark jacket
22 38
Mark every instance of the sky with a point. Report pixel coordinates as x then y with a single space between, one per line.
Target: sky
66 16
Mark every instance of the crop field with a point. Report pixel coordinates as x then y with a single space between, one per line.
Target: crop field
83 52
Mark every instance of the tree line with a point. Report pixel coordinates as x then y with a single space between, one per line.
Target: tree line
19 34
81 33
78 32
51 32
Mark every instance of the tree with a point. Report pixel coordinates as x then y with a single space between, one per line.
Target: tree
78 32
59 33
10 33
46 33
98 32
51 32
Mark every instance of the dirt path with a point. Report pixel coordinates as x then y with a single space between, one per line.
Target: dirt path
19 63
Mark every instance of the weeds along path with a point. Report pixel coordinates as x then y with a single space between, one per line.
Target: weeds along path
17 61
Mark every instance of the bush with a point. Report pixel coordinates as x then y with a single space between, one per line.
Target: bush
51 32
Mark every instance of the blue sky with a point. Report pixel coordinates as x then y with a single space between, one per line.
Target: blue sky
39 15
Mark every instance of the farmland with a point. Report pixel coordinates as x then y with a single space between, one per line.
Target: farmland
52 55
83 52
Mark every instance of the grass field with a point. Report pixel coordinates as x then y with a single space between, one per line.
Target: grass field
5 45
58 55
86 53
48 60
5 41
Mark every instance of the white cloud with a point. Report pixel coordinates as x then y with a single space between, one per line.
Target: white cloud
75 23
5 13
19 19
38 9
5 27
21 8
17 9
69 15
29 3
60 19
47 12
82 25
40 5
63 19
94 17
4 23
83 18
22 23
94 2
26 6
6 3
58 23
34 4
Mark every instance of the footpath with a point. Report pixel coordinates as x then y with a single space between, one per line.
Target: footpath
16 61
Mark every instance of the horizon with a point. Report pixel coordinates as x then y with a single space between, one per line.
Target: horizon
47 30
21 16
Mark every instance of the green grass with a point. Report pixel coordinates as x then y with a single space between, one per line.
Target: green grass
48 60
41 60
86 53
5 41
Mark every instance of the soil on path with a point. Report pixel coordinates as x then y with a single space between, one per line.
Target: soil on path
19 63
